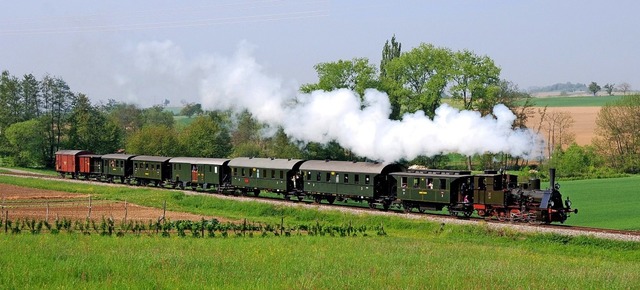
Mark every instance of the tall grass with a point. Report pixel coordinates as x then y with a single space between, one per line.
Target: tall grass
456 257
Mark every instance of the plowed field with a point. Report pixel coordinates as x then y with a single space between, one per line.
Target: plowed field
584 118
22 202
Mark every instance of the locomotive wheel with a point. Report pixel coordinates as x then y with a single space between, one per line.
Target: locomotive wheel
372 205
421 210
468 214
301 197
317 199
386 205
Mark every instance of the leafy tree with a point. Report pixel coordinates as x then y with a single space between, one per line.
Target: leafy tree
158 140
575 160
617 137
202 138
594 88
56 101
280 146
28 143
128 117
246 138
472 78
10 100
156 115
331 150
90 129
356 74
609 88
191 109
422 76
390 52
31 97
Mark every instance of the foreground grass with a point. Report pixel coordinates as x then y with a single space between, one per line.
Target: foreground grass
456 257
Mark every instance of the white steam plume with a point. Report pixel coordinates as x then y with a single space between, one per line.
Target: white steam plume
240 83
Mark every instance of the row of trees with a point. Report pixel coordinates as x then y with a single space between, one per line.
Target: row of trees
594 88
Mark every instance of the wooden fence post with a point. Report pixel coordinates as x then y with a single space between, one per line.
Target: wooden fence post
89 215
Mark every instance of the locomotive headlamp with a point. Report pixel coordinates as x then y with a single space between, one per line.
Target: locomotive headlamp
557 186
567 202
551 203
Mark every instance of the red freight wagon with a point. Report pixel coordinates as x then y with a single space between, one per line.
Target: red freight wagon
67 162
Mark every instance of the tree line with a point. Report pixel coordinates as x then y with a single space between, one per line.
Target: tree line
39 117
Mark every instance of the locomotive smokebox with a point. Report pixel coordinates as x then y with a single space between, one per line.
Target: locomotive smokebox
552 178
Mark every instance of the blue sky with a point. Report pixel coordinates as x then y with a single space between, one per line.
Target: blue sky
148 51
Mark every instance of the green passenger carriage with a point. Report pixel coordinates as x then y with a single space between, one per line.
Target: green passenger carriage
117 166
151 170
276 175
435 189
200 172
360 181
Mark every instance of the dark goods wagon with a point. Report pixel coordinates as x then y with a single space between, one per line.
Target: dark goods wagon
276 175
342 180
67 162
154 170
90 166
200 172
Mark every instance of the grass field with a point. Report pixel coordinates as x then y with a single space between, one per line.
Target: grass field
605 203
597 101
415 254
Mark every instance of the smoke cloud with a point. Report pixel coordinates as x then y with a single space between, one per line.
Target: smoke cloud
240 83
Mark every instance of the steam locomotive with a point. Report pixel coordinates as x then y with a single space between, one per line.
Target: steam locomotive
492 194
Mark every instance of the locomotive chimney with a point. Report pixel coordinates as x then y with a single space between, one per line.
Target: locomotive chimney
552 178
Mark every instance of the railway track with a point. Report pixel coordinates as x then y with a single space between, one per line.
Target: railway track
353 207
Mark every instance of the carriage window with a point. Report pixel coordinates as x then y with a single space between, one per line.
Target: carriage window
366 179
346 178
404 182
443 184
273 174
146 166
337 178
250 173
497 183
308 175
356 179
318 176
235 171
416 182
328 179
281 174
135 165
482 185
430 183
243 172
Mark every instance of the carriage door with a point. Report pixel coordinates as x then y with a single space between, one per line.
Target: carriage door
194 173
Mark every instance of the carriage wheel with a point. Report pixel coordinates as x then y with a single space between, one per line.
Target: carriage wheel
331 199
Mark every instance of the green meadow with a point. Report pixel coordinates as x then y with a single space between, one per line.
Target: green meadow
583 101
